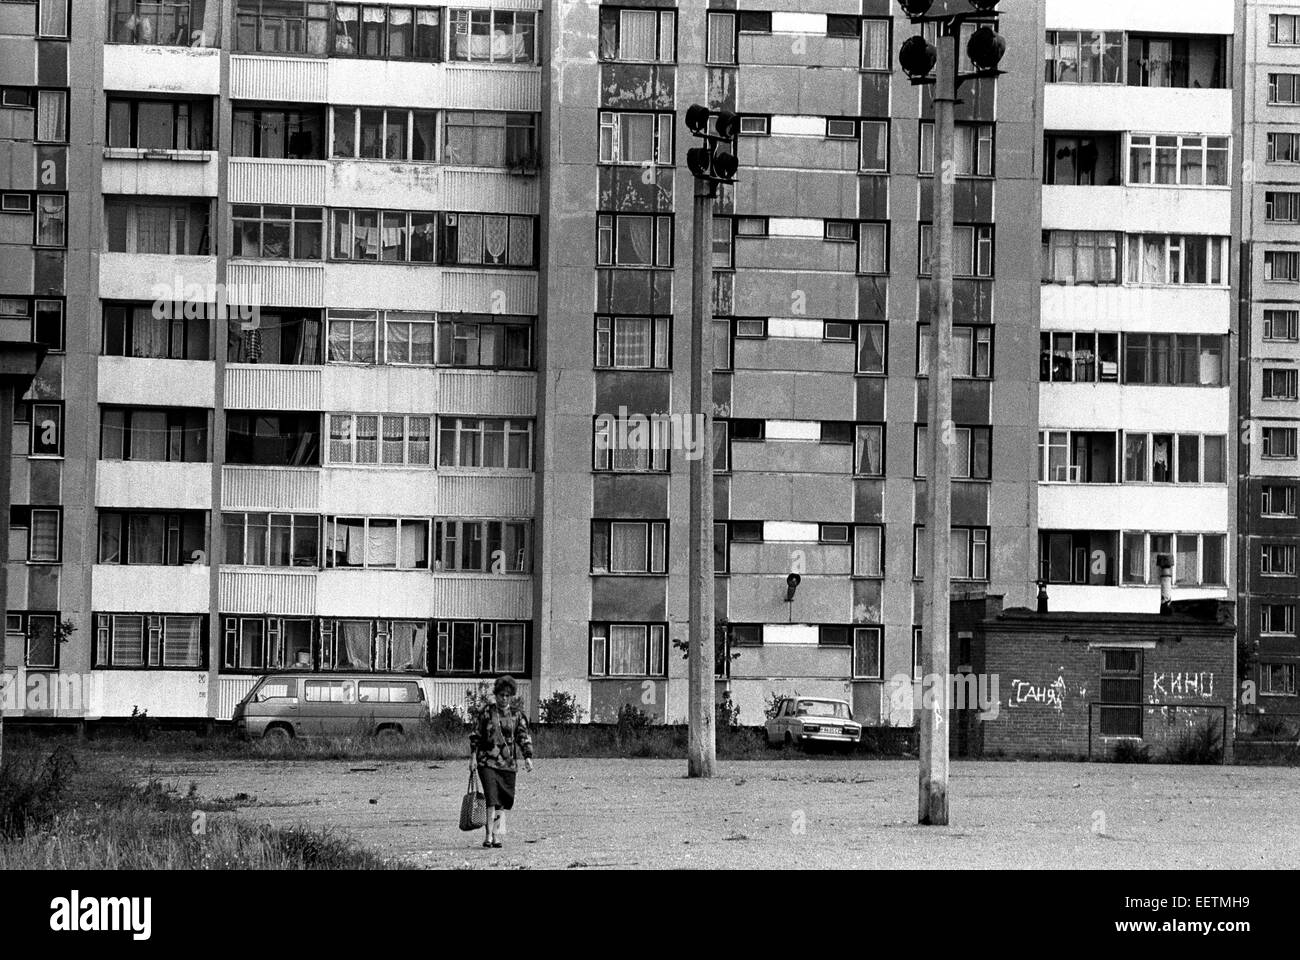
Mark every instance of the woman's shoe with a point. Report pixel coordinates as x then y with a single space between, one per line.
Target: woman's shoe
489 843
496 843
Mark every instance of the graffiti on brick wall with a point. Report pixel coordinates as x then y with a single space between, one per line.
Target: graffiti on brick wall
1027 693
1182 684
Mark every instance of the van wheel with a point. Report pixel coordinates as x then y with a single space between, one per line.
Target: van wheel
389 734
278 733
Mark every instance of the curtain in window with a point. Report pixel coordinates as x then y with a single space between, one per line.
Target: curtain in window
153 229
632 342
1211 364
870 442
50 221
521 241
470 239
147 534
1153 260
354 644
628 547
633 247
1159 63
509 648
1185 560
866 552
626 650
50 115
381 543
399 32
409 642
149 335
963 251
413 552
875 45
148 435
873 348
181 637
128 641
54 19
962 359
367 439
637 31
45 536
495 235
872 249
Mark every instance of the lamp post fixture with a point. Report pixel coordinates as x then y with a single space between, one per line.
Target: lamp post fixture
710 166
918 58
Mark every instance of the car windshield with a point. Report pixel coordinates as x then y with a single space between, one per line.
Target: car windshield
823 708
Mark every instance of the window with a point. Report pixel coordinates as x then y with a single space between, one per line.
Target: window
52 20
838 128
972 250
475 442
1170 458
1278 443
837 330
33 219
631 445
492 36
483 239
1277 679
133 225
1182 160
271 539
1178 259
281 337
869 450
1282 206
628 547
35 534
408 337
873 248
1175 359
390 236
282 26
161 124
1282 265
1282 325
636 138
489 139
158 539
486 648
1081 159
721 38
1283 148
1282 29
276 232
395 33
972 149
1080 256
876 48
868 653
1199 559
360 645
379 439
1120 712
638 36
44 422
721 550
836 431
273 438
1277 560
136 331
27 113
1277 619
1277 501
169 641
751 328
754 126
174 23
754 22
972 351
868 551
377 542
43 317
482 546
628 650
1077 456
1279 384
969 453
873 157
968 557
872 350
723 239
373 133
1284 88
153 434
39 635
1084 56
630 240
1077 556
1170 61
496 342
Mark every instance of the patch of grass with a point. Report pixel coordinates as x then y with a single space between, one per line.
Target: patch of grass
1130 751
32 790
1202 744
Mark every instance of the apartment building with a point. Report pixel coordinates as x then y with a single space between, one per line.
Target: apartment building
1136 450
1269 304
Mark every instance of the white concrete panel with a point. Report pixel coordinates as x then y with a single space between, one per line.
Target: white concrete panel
388 286
155 69
149 276
794 430
798 329
1080 106
371 593
792 227
1137 309
1121 599
379 491
137 381
1139 209
376 183
785 125
1161 16
150 589
138 484
777 531
801 633
380 389
799 23
1111 406
185 173
386 83
1174 507
159 693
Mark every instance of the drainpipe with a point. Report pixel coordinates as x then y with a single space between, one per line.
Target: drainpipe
1166 564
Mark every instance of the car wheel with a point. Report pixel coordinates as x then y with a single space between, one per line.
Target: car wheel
389 734
278 734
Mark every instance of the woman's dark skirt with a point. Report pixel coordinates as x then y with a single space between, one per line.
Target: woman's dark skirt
498 787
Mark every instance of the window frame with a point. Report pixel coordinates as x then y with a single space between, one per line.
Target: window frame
153 641
600 643
656 547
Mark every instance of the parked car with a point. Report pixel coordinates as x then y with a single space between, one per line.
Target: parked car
804 721
337 705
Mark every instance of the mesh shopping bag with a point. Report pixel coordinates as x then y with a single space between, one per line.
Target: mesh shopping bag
473 808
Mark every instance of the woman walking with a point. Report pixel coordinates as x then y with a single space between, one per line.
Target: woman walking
497 741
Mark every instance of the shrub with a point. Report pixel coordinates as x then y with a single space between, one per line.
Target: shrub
632 721
32 794
727 713
448 720
1130 751
561 707
1201 744
773 704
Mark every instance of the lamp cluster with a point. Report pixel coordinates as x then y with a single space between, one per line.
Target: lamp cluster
708 162
917 56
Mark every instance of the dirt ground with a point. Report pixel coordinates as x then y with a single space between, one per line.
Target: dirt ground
798 813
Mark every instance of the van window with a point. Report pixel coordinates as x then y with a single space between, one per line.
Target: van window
380 692
330 691
273 690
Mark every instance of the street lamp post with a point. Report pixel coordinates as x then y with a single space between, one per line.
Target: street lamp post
710 166
918 57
